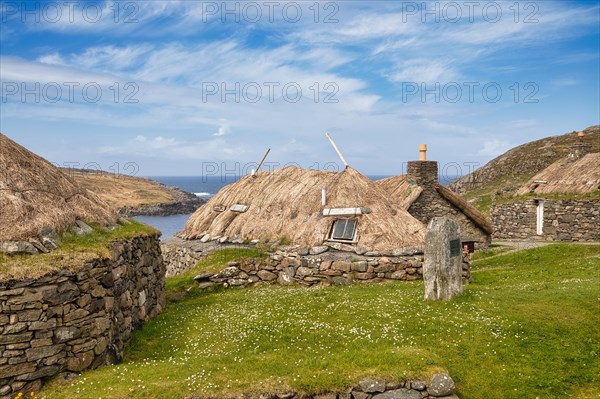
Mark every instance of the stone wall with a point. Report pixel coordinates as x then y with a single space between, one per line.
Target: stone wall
71 321
564 220
431 204
440 385
322 266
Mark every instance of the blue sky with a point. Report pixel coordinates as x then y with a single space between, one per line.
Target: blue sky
191 87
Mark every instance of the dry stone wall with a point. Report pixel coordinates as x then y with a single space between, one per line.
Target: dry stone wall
71 321
323 266
564 220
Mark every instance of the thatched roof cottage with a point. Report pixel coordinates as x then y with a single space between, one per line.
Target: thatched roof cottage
308 208
35 194
420 193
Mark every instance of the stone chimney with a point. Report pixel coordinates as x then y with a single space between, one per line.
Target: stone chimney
579 149
424 173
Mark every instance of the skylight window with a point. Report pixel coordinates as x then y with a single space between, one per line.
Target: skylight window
343 229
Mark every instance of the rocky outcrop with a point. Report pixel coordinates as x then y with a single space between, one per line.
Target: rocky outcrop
184 203
71 321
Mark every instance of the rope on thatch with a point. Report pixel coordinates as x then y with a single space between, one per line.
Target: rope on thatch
465 207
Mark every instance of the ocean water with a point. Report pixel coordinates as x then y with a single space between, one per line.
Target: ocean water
204 187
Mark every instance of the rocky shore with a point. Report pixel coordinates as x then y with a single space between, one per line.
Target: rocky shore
184 203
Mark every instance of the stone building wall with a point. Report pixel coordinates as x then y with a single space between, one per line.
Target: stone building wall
564 220
431 204
71 321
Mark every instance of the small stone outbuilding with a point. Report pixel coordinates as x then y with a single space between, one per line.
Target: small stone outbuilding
559 203
421 194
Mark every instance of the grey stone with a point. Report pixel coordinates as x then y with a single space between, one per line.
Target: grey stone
338 280
223 239
399 275
229 272
418 385
303 272
203 276
360 250
18 247
407 251
318 250
441 384
48 232
401 393
442 273
372 253
64 334
81 228
205 238
369 385
359 395
303 251
286 276
266 275
360 266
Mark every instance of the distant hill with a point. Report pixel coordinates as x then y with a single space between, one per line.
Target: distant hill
133 196
504 175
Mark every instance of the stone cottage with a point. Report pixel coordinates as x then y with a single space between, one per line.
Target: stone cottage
562 202
420 193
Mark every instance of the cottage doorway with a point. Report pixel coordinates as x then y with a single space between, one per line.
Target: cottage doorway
540 218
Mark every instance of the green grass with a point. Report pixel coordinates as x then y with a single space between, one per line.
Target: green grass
183 286
493 250
525 328
72 252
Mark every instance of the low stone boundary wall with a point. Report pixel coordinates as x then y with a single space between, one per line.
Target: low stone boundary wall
71 321
439 386
564 220
332 267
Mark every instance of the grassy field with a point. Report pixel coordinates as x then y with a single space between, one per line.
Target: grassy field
527 327
72 252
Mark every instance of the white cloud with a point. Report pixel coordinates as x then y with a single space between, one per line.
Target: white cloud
222 131
494 147
424 71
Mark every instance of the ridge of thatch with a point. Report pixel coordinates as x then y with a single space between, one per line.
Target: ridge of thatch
34 193
407 192
564 176
400 188
286 203
465 207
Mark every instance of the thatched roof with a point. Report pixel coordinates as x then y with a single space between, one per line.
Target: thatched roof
407 192
286 203
34 193
580 176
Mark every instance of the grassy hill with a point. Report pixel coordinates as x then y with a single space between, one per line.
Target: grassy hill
136 195
525 328
502 176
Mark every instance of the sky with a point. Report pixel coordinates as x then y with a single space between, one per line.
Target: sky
188 88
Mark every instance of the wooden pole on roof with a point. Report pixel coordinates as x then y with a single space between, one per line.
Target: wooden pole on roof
255 171
336 149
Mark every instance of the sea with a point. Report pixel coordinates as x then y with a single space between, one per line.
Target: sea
204 187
